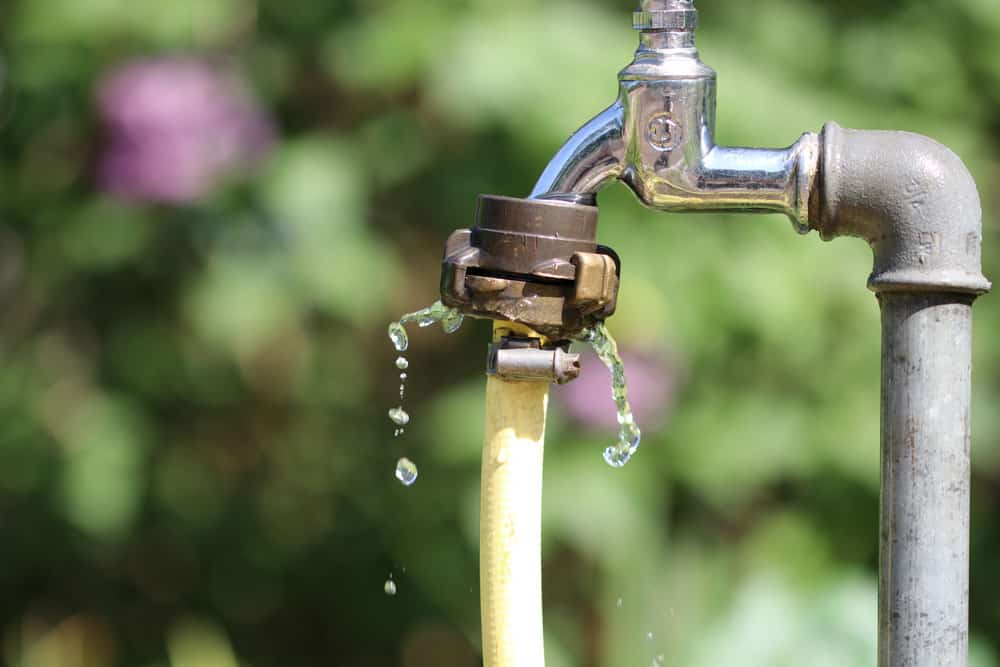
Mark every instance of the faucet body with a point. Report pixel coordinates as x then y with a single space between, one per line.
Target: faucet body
659 139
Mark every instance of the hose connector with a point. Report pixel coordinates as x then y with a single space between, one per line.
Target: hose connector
533 262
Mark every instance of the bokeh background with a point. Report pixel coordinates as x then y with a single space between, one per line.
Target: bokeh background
210 209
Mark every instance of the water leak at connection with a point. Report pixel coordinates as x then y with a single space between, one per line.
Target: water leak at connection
598 337
450 319
629 435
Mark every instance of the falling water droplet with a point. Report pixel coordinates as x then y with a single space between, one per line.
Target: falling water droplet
658 660
649 636
406 471
618 603
390 586
403 376
399 416
397 334
402 363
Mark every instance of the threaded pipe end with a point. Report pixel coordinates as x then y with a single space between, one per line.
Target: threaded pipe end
672 15
675 20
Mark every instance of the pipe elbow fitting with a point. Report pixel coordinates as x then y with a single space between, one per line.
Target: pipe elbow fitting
912 199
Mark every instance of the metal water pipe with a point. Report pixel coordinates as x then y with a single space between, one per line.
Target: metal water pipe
909 197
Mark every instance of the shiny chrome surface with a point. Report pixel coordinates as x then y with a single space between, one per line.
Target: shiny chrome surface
658 138
673 15
589 159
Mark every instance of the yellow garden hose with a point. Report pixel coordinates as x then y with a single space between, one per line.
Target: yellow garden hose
510 532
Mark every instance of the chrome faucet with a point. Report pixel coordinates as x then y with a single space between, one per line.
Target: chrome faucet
659 136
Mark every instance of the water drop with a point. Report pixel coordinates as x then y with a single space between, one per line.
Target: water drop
397 334
402 363
649 636
614 457
618 454
390 586
403 376
406 471
658 660
618 603
452 321
399 416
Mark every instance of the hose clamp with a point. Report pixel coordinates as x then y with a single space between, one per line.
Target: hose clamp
526 359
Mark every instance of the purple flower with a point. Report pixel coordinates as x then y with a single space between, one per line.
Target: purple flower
175 128
651 387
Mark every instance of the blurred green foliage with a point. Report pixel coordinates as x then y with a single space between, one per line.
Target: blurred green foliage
195 464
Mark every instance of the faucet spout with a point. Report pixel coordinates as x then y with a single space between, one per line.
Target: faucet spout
589 159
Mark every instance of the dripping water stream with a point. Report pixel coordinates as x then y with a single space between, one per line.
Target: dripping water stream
629 435
450 319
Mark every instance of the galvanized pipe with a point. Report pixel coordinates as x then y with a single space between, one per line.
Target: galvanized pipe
915 203
924 537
